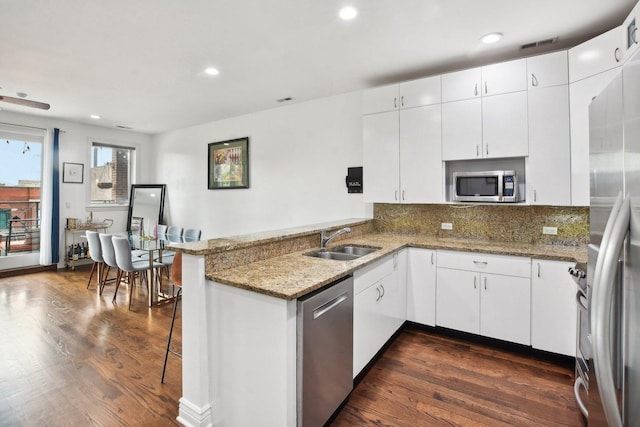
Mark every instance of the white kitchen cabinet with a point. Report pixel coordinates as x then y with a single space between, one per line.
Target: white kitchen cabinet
381 157
596 55
549 174
580 95
380 99
504 77
465 84
504 125
630 32
417 93
379 307
484 294
551 69
421 155
421 286
553 307
484 112
402 159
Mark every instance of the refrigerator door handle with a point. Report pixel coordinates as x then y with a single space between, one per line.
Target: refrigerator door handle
603 289
606 237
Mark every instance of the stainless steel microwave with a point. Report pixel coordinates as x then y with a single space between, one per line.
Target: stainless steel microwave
487 186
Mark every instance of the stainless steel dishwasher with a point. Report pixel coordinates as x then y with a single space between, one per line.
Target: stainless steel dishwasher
325 352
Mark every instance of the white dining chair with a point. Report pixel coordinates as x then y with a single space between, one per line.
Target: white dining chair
127 266
95 249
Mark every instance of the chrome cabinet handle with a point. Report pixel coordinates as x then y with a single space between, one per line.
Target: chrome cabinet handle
402 194
475 282
395 102
485 283
402 101
379 295
617 54
431 258
482 263
487 149
395 195
475 90
634 39
534 80
535 195
382 286
477 151
538 269
485 88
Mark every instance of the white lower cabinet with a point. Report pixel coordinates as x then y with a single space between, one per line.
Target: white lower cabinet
553 307
379 307
483 294
421 286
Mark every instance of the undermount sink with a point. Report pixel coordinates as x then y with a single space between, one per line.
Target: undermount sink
342 253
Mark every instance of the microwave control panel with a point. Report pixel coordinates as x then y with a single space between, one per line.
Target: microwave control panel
509 186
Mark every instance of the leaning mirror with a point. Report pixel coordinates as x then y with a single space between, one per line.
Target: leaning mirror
146 207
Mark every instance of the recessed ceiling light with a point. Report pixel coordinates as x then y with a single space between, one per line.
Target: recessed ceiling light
95 116
491 38
348 13
211 71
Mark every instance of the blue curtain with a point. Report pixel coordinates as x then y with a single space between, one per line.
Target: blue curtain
55 213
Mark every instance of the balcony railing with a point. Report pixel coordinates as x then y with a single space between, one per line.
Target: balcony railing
19 227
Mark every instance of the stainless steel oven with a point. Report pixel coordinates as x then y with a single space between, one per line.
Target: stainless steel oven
583 344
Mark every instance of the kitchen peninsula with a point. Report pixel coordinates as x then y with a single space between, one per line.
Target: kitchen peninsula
239 311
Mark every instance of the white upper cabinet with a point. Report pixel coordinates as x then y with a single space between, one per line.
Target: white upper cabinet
381 158
597 55
504 125
548 70
465 84
380 99
462 129
630 32
504 77
417 93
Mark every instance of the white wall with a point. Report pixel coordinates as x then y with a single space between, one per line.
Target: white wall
75 147
298 157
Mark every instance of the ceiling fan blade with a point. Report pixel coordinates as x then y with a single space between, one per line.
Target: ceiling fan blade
25 102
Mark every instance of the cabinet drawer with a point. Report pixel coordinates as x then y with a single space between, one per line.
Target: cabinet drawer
484 263
367 276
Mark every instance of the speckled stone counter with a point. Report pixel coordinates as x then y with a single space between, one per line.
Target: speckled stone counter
274 262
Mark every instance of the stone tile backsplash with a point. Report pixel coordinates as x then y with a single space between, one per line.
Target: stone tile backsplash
506 223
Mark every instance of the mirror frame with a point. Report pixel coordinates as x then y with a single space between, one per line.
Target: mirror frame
134 187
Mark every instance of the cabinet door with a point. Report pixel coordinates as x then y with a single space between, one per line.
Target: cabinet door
548 70
417 93
505 308
421 155
380 99
380 134
421 286
580 95
460 85
505 125
457 300
553 307
504 77
462 130
394 296
596 55
549 174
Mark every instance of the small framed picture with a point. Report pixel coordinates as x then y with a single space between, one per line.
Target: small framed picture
73 173
229 164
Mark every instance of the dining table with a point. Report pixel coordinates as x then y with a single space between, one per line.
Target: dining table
154 247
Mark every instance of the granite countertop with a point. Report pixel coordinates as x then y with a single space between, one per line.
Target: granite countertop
293 275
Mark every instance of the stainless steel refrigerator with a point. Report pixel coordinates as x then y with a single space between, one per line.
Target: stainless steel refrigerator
614 252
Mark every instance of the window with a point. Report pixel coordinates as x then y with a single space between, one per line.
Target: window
111 167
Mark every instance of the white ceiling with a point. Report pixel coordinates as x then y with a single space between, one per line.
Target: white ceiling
139 63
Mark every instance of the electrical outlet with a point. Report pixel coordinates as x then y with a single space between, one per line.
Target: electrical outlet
447 226
550 230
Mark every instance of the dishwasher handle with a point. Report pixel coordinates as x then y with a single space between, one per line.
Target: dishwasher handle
329 305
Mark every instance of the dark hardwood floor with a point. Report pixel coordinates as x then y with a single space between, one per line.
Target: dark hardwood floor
71 358
427 379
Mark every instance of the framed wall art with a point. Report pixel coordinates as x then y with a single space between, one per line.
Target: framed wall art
73 173
229 164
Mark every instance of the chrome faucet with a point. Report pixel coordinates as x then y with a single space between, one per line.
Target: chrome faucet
324 239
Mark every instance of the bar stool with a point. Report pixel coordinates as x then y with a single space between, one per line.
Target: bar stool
176 278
